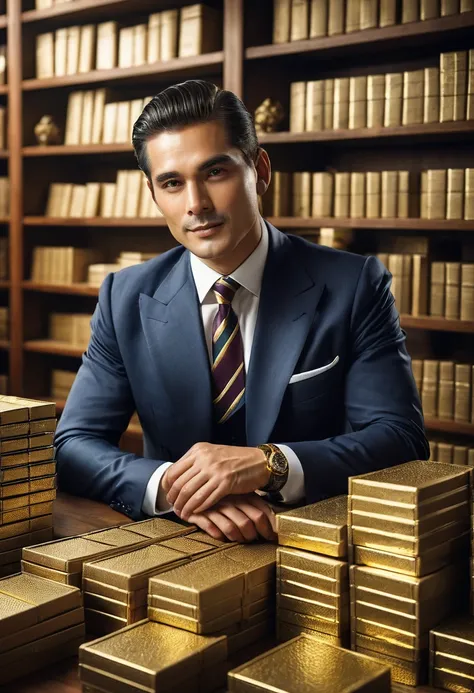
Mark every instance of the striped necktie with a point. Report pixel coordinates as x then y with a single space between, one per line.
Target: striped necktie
228 368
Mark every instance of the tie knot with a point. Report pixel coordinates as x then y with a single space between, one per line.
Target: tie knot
225 289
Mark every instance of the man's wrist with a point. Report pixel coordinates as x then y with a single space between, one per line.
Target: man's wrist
265 473
277 467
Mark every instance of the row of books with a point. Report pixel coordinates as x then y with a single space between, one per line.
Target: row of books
447 194
445 388
294 20
4 197
4 245
450 453
128 197
3 127
61 383
428 95
70 328
191 31
452 290
98 272
90 120
3 64
4 324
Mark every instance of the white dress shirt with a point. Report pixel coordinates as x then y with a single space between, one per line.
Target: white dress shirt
245 304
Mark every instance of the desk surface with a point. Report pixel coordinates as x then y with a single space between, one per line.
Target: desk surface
75 516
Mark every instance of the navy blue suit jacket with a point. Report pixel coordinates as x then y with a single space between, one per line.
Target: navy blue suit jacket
148 352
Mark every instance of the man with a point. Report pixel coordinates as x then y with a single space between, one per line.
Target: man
240 337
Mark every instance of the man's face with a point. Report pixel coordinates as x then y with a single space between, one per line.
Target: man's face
206 191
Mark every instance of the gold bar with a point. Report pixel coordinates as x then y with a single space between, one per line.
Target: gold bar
192 625
311 607
41 441
411 528
317 582
408 673
287 631
295 618
112 607
330 668
49 597
189 546
115 536
321 523
421 590
132 599
408 607
409 511
14 529
377 630
42 629
96 680
257 561
73 579
99 624
206 539
73 633
264 590
453 663
14 460
157 528
41 454
8 557
395 619
450 681
35 409
42 426
329 568
55 653
17 542
302 591
14 430
454 637
42 469
213 579
152 655
246 637
202 614
390 647
12 413
411 482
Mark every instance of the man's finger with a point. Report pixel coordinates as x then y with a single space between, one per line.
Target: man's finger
207 526
259 517
226 526
188 490
206 500
178 468
243 521
180 482
258 502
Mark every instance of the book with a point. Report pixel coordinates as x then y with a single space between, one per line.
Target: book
437 289
466 5
470 87
357 102
87 117
469 193
322 194
154 38
431 98
278 196
45 56
98 116
368 14
413 84
139 45
357 197
328 104
86 48
436 194
54 197
73 39
389 194
120 194
318 22
455 194
388 13
60 52
122 125
281 21
134 188
136 108
467 292
393 99
410 11
91 204
302 194
353 10
125 50
452 290
106 56
420 285
78 199
169 34
110 123
395 267
342 194
449 7
408 197
429 391
107 199
336 17
375 101
200 30
341 103
299 26
3 136
74 117
297 106
373 189
3 64
429 9
462 393
314 106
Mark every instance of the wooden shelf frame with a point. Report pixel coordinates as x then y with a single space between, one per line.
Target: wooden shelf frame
412 224
71 289
95 221
50 346
84 10
433 324
448 426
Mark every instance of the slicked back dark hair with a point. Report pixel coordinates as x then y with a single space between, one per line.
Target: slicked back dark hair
188 103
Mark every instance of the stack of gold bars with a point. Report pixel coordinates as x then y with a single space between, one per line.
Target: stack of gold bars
41 622
305 664
229 593
116 588
149 657
452 655
409 530
27 477
312 571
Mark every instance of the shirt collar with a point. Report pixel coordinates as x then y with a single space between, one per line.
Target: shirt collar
248 274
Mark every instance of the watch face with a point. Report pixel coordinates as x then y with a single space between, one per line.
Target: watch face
279 463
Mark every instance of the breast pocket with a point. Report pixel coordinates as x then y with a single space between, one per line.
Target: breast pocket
315 383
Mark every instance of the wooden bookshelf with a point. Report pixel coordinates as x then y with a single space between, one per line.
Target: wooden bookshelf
426 322
379 224
77 289
84 149
87 10
49 346
94 221
448 426
4 344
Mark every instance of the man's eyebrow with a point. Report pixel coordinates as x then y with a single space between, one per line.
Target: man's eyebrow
213 161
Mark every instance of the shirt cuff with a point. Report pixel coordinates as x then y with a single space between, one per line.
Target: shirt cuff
154 502
293 490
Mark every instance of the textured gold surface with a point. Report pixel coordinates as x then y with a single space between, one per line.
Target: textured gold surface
157 528
317 582
409 511
41 469
412 482
14 430
454 637
305 665
311 622
295 589
208 613
326 548
36 409
422 589
151 654
287 631
132 599
115 537
42 426
12 413
43 645
248 636
408 673
387 646
319 565
15 614
326 520
97 681
14 529
25 540
40 441
188 546
257 560
40 454
377 630
65 554
264 590
110 606
217 625
42 629
452 663
39 661
311 607
411 528
395 619
408 546
206 539
409 607
204 582
15 460
452 682
130 571
429 562
50 597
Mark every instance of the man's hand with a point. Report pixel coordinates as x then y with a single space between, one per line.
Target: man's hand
238 518
207 473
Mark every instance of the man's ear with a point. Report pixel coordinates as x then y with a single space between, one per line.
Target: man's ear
263 169
150 188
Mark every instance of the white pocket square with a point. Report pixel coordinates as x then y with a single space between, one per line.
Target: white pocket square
298 377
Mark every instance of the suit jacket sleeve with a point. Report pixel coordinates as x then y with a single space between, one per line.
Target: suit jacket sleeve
97 412
383 409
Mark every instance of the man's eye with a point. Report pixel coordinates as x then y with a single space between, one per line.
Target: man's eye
171 184
215 171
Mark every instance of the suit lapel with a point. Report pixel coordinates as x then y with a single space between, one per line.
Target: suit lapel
173 329
288 300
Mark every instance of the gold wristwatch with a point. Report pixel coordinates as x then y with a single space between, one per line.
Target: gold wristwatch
277 465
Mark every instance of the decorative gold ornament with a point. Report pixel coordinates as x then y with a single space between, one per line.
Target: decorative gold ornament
46 131
268 116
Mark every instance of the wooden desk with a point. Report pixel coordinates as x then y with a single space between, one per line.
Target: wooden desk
75 516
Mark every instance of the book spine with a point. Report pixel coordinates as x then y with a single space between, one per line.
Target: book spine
467 292
302 194
466 5
453 290
322 193
373 194
459 453
417 369
436 194
342 188
60 52
125 51
431 101
368 14
460 84
469 193
462 393
73 39
357 197
455 194
328 104
353 10
429 9
87 117
445 453
388 13
139 44
389 194
297 106
375 101
395 267
470 87
87 48
154 33
357 102
336 17
437 289
410 11
106 55
393 99
413 83
281 21
419 304
45 56
447 79
341 103
314 106
282 194
169 34
299 20
449 7
318 24
429 392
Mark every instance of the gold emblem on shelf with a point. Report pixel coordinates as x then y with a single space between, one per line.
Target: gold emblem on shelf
268 116
46 131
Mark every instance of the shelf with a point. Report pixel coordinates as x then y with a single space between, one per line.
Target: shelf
78 289
448 426
69 149
426 322
95 221
396 36
4 344
86 10
177 67
460 128
410 224
49 346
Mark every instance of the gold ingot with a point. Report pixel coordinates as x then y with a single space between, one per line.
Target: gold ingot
317 582
74 633
454 637
387 646
132 599
408 673
406 587
450 681
257 561
49 598
42 629
448 662
312 622
377 630
192 625
294 589
67 555
157 528
287 631
320 527
198 613
410 528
